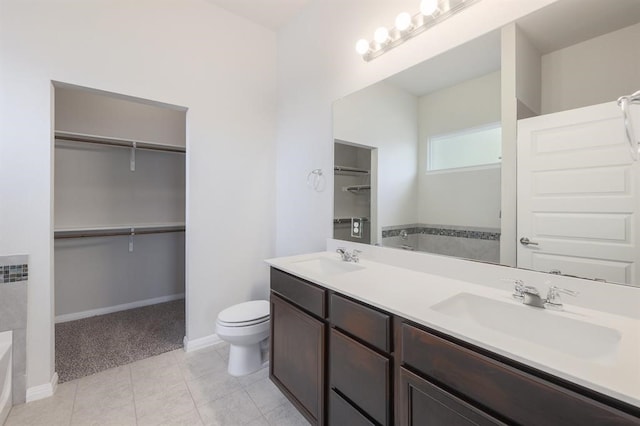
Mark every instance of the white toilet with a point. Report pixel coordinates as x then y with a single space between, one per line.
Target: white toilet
245 326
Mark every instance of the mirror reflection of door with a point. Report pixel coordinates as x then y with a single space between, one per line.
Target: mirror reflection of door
577 205
352 192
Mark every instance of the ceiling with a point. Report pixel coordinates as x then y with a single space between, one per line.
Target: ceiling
473 59
567 22
269 13
554 27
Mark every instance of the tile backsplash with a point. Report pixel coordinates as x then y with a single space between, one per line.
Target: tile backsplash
466 242
445 230
14 273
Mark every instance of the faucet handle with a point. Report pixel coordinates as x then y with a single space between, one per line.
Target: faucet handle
553 297
354 255
518 288
344 254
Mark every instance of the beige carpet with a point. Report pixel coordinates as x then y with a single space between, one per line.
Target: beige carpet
90 345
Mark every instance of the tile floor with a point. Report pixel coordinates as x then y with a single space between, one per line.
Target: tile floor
175 388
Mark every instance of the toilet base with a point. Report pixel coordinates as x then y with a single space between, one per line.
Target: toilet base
245 359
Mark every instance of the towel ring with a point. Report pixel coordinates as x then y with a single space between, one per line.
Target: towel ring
316 180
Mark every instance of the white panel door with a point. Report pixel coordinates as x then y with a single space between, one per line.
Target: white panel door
577 187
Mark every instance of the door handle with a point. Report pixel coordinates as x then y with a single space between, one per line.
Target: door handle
527 242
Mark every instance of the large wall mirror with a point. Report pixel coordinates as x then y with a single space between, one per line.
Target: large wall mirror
426 160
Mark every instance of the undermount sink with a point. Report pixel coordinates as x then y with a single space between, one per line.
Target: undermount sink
535 325
324 266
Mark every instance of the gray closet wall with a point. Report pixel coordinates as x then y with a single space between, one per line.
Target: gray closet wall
96 190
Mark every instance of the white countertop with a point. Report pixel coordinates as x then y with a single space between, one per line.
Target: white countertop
410 294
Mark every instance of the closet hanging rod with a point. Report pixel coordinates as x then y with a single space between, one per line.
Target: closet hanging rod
117 142
90 234
350 170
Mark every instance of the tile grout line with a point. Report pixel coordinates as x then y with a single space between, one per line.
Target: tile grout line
186 383
133 394
244 388
73 404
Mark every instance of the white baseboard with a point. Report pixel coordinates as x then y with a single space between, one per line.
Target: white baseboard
203 342
117 308
43 391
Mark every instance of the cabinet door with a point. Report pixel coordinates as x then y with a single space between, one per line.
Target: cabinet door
297 357
423 403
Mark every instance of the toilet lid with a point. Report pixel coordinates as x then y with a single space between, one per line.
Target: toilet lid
252 311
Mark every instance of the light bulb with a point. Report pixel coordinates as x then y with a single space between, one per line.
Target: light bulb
381 35
428 7
362 46
403 21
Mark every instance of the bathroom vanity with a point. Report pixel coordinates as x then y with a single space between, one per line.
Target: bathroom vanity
373 344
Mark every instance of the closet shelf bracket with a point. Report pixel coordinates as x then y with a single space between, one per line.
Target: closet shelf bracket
131 235
132 160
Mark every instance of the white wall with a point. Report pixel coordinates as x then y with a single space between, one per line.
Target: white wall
182 52
567 72
528 73
385 117
317 64
102 114
468 197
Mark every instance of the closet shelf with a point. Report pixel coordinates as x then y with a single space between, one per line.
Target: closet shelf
118 142
118 230
349 171
357 189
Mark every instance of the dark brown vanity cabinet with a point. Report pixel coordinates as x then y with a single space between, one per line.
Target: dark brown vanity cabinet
374 369
360 364
298 340
444 383
349 364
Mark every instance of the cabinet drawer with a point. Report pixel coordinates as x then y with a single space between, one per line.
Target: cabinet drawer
427 404
343 413
360 374
518 396
361 321
300 292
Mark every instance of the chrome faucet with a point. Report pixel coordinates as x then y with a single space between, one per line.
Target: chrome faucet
349 257
529 295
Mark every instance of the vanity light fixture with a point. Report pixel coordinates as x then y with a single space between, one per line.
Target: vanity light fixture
362 46
406 26
428 7
403 22
381 36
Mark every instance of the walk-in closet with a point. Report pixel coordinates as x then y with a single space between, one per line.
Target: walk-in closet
119 206
352 192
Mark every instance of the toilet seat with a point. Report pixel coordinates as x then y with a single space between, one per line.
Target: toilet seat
243 324
245 314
